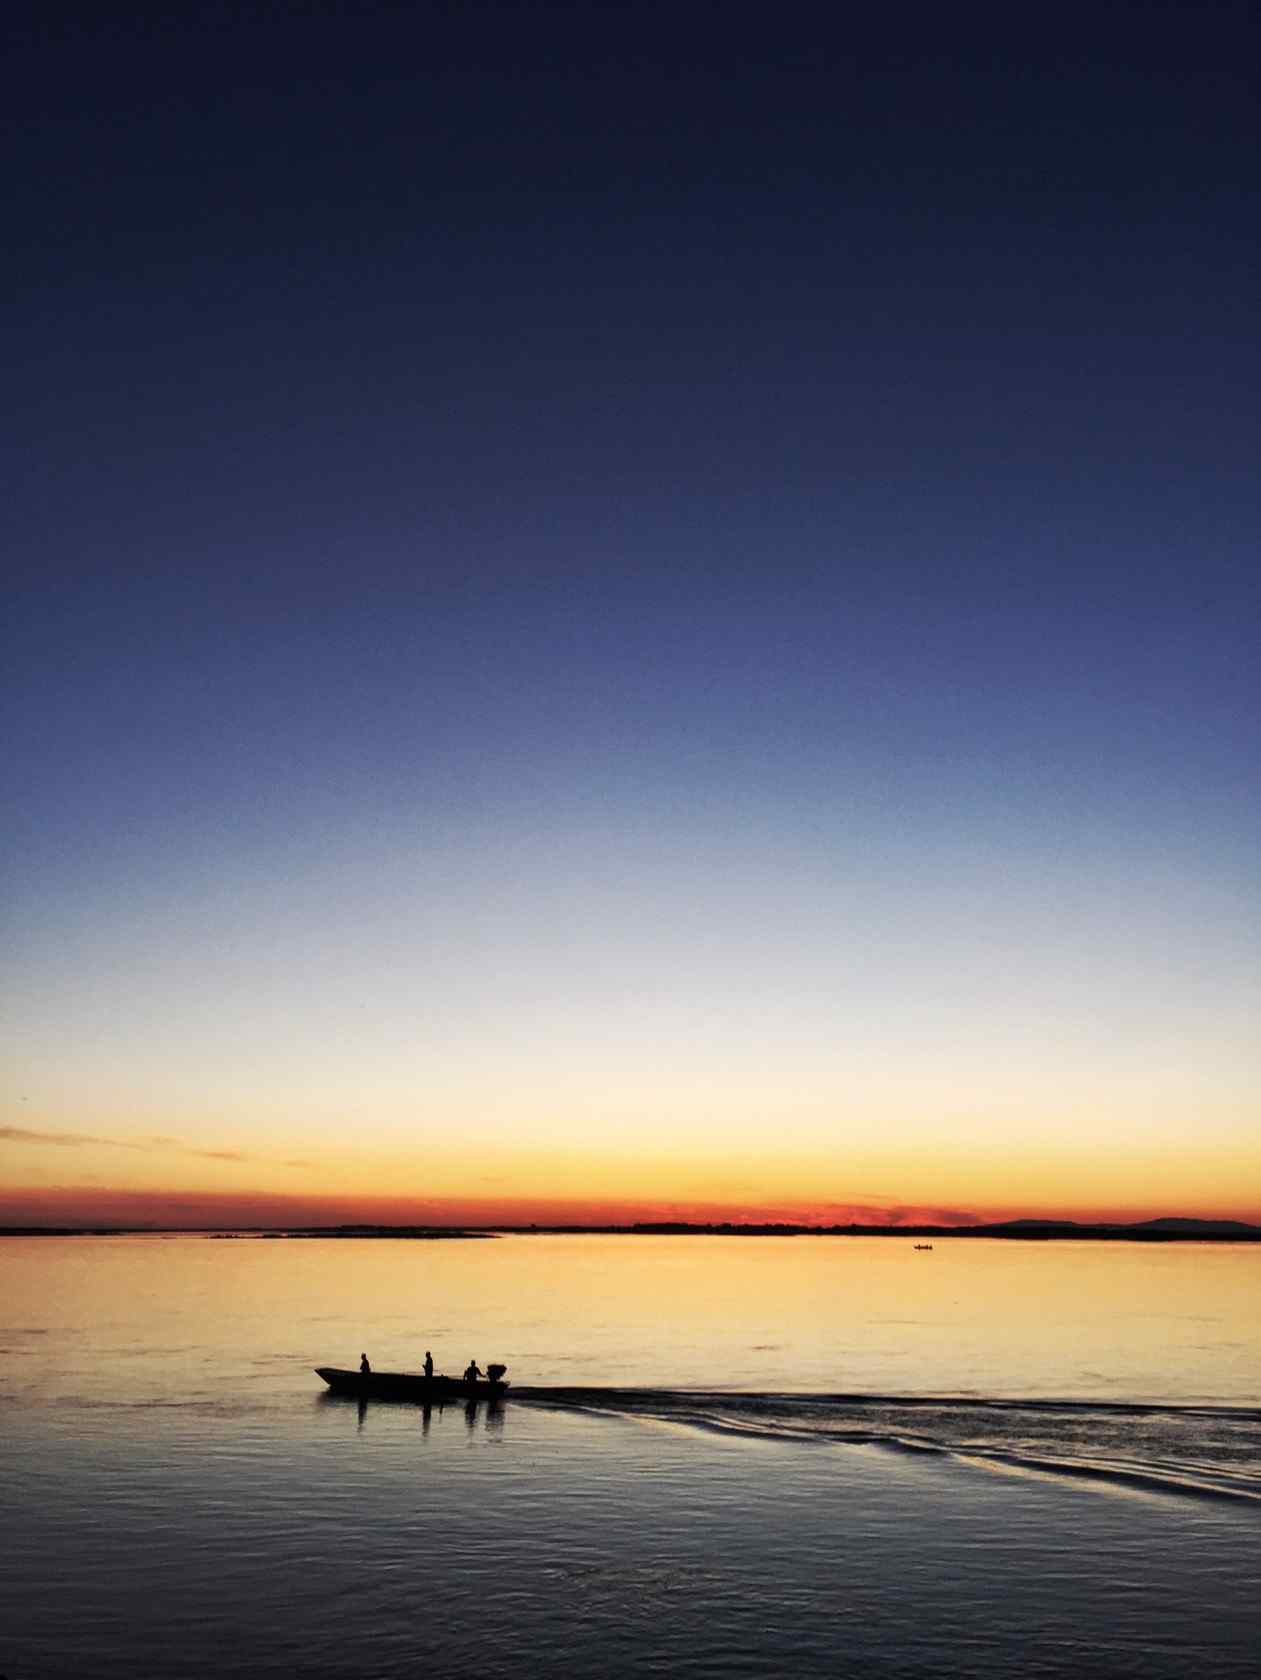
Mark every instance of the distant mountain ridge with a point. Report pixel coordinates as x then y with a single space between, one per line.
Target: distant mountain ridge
1170 1224
1166 1229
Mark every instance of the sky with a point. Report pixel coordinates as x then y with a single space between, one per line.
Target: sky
630 611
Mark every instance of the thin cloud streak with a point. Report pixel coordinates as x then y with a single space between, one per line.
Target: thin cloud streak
23 1134
148 1145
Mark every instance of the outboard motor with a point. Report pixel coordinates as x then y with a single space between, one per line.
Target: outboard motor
495 1373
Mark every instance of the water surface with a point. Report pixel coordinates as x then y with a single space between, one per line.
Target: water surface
724 1454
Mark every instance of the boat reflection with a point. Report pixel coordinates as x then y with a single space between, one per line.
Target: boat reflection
490 1412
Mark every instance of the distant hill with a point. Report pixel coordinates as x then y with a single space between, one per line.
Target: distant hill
1044 1228
1037 1230
1193 1227
1149 1230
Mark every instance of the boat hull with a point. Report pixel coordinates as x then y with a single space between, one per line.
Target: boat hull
407 1385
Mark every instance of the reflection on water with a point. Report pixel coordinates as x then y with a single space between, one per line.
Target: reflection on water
485 1414
1109 1321
699 1470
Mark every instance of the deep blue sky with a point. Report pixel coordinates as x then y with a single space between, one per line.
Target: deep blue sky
625 459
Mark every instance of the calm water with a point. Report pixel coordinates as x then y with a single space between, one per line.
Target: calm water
830 1456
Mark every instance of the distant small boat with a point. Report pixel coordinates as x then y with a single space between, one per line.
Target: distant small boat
924 1248
412 1385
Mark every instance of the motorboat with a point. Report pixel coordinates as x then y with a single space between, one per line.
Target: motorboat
414 1385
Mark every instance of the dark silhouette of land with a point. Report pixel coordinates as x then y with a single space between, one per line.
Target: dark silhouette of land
1169 1229
421 1233
1037 1230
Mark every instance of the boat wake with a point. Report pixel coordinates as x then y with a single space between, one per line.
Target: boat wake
1207 1452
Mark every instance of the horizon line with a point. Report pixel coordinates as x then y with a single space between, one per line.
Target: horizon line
1165 1225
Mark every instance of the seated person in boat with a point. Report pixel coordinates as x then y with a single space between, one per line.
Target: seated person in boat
365 1370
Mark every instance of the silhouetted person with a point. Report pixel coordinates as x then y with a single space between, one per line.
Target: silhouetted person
472 1374
428 1366
365 1370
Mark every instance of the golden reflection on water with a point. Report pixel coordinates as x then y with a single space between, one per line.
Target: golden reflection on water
1104 1320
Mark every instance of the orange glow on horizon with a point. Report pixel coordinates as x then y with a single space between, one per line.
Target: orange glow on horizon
177 1209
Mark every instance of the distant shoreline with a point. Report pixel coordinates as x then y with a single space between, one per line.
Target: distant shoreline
1019 1230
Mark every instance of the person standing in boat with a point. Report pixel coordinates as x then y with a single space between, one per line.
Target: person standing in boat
428 1366
365 1370
472 1374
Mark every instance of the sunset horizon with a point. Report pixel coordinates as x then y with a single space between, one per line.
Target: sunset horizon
93 1206
632 721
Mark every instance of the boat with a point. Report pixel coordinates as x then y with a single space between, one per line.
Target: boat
413 1385
924 1248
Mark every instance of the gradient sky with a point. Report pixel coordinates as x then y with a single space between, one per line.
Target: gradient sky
618 608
